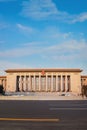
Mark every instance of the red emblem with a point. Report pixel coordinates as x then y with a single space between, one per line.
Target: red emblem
43 72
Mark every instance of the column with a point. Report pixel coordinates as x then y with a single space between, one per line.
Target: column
52 82
61 84
69 83
66 83
39 82
29 84
34 83
3 84
56 83
24 82
46 82
20 84
63 81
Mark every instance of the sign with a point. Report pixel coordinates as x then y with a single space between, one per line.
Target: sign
43 72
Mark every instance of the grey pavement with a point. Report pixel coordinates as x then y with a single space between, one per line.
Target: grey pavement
41 96
71 115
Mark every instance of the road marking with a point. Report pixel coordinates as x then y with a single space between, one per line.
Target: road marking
31 119
55 108
73 105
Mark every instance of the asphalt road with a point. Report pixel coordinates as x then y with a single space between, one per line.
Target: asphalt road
43 115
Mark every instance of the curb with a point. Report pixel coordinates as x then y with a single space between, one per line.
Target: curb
42 98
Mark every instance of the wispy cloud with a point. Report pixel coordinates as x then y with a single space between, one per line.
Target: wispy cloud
39 9
20 52
69 48
9 64
80 18
26 29
46 9
69 51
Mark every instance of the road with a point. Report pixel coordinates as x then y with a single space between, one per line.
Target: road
43 115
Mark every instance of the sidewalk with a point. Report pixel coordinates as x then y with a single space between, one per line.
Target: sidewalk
41 97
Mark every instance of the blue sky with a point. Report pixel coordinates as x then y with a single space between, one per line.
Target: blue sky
43 34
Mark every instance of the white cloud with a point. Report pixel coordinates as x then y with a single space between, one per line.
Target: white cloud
46 9
25 28
8 64
80 18
67 53
70 47
39 9
20 52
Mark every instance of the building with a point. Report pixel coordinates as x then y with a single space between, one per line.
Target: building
3 80
84 79
42 80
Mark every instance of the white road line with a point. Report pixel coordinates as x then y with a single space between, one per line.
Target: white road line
55 108
57 105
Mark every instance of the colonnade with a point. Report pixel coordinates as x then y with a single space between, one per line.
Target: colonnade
3 83
43 83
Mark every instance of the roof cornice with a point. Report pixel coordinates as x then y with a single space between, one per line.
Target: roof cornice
41 69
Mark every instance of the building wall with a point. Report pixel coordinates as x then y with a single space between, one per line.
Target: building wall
11 82
36 81
76 82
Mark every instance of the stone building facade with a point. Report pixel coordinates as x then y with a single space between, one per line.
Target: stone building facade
84 79
42 80
3 80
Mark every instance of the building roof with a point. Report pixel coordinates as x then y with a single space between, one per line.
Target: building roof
83 76
43 69
3 77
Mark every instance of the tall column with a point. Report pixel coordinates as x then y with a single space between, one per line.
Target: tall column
56 83
3 83
46 82
52 82
61 83
39 82
66 83
29 85
34 83
24 82
20 84
69 83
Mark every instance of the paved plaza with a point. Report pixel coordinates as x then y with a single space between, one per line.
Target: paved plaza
41 96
